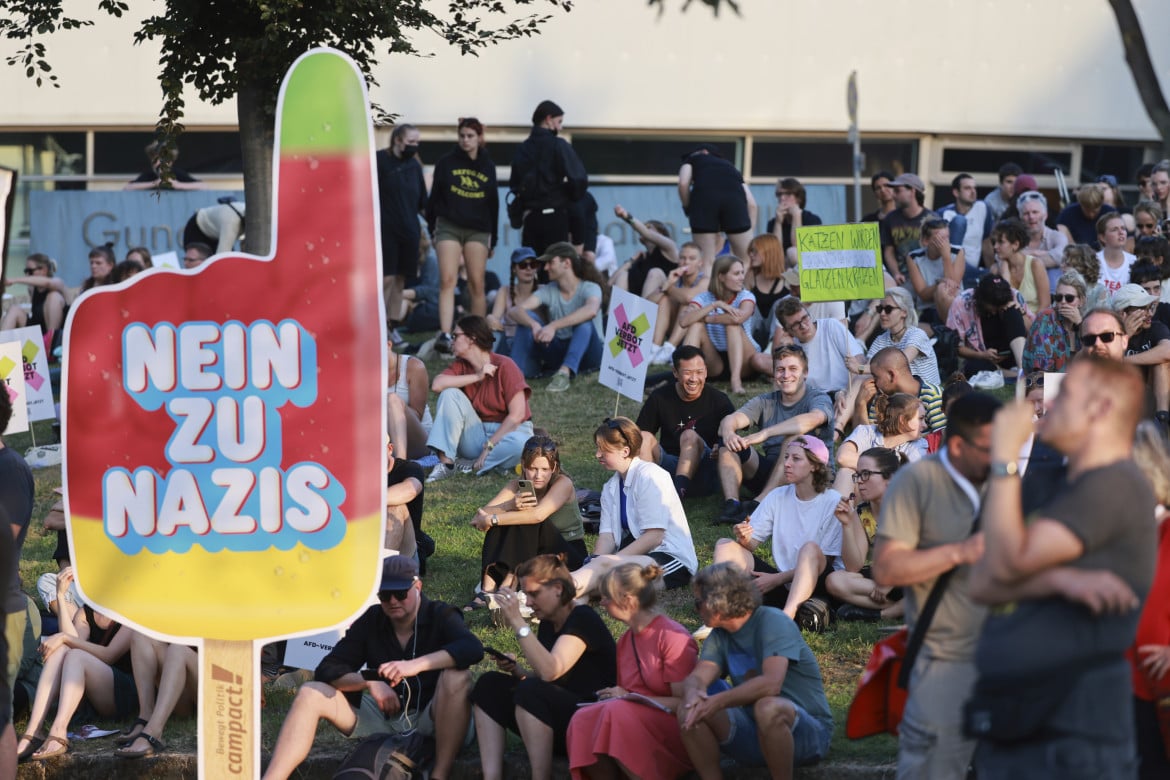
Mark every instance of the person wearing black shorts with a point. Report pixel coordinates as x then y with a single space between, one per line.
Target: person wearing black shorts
715 198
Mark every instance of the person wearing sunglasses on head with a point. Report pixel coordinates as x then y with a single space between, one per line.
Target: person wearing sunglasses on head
420 651
1052 339
1044 242
46 293
522 282
1149 343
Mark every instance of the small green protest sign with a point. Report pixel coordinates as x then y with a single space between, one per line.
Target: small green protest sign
840 262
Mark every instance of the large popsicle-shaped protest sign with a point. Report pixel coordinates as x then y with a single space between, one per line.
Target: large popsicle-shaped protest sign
223 427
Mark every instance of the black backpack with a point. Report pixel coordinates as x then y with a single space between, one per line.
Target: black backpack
387 757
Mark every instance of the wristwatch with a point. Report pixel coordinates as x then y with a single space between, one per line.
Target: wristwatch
491 445
1009 469
495 521
523 631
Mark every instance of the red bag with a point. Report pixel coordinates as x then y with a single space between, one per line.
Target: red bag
877 706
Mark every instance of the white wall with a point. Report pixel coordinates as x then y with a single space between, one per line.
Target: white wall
996 67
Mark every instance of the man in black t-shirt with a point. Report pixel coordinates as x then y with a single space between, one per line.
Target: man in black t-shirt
685 417
901 229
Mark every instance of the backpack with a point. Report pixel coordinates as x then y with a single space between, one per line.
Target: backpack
946 350
387 757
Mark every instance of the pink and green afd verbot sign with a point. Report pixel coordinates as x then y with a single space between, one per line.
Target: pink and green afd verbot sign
223 427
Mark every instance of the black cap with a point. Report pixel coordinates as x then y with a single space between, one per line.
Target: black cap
398 572
546 109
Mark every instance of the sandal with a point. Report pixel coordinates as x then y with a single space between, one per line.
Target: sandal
478 601
34 742
44 755
154 747
130 734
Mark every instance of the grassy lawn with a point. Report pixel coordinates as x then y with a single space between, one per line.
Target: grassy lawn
571 418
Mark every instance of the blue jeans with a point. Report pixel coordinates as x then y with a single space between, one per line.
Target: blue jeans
810 738
458 431
580 352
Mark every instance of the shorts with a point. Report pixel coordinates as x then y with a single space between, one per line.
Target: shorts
400 255
446 230
675 573
778 597
704 481
125 699
371 720
810 738
756 482
713 211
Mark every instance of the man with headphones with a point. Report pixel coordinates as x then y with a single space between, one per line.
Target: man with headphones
416 655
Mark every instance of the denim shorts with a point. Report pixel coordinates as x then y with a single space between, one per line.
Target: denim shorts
810 738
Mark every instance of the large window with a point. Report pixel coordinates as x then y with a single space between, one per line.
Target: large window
1038 162
199 152
830 159
617 155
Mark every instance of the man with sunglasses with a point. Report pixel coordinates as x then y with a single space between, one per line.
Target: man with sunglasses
421 652
925 530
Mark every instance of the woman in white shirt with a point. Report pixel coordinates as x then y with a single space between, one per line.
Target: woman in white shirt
642 518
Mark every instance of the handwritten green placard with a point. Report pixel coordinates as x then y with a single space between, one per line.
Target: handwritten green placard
840 262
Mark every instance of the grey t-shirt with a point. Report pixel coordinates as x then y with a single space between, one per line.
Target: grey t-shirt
923 508
769 409
550 296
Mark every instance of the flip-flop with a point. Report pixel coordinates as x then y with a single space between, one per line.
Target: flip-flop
154 747
130 734
61 749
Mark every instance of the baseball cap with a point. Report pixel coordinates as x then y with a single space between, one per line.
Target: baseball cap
909 180
398 572
522 253
559 249
813 445
1131 295
1108 178
1025 182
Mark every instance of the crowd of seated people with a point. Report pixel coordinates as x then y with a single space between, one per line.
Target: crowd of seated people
830 477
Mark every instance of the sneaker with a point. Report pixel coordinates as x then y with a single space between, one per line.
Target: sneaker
663 355
559 383
396 337
701 633
443 343
441 471
732 513
464 465
747 507
854 613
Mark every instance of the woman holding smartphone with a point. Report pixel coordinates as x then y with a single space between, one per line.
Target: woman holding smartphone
531 516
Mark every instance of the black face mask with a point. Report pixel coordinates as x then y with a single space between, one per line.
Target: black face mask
408 151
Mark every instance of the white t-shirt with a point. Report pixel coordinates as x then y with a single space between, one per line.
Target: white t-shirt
865 437
791 523
1113 278
826 352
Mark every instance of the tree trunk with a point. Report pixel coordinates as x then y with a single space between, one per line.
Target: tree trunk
257 133
1137 56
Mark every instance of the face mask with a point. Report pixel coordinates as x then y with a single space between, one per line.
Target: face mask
409 151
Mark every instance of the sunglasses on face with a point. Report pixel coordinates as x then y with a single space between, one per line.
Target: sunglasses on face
398 594
528 264
1064 298
31 270
883 309
1089 339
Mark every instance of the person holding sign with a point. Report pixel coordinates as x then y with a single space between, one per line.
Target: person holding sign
421 652
729 351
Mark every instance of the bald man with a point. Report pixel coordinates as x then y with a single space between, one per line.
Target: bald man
1074 576
891 374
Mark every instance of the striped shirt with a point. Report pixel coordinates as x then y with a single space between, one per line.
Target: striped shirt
931 397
